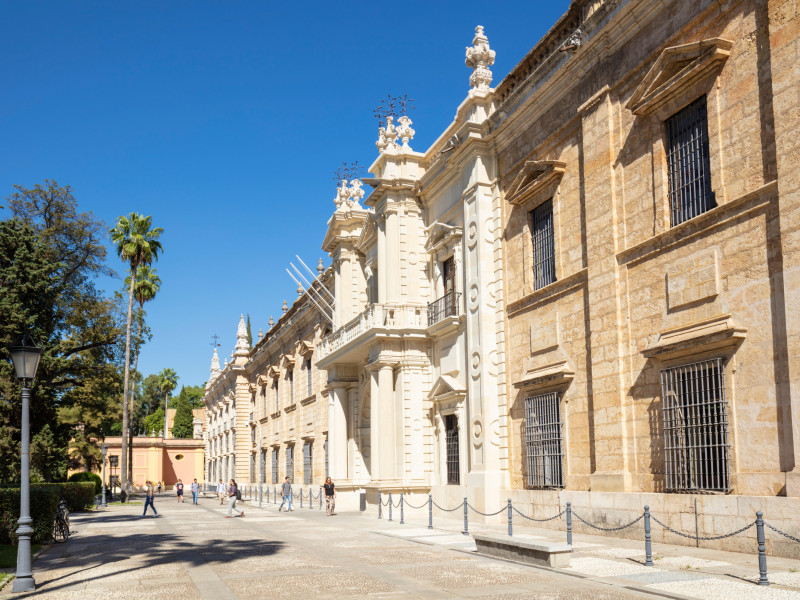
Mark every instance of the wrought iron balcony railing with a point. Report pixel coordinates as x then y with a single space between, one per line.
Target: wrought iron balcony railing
446 306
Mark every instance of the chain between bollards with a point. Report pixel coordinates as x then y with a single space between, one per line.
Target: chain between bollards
648 543
430 511
466 524
401 510
762 550
390 506
509 517
569 523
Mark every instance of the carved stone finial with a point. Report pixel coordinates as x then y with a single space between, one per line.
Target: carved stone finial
404 131
381 143
284 308
242 347
479 58
226 363
390 133
260 334
356 193
320 268
300 290
214 369
271 321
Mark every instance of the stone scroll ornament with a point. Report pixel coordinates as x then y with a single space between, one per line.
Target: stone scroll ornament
479 58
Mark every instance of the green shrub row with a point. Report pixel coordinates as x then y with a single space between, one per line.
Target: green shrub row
80 496
44 504
87 476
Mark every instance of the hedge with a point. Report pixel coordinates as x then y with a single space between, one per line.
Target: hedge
44 505
87 476
79 495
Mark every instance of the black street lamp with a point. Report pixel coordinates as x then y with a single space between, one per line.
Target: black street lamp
25 357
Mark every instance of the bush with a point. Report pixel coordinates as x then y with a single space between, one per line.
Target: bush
86 476
44 504
79 495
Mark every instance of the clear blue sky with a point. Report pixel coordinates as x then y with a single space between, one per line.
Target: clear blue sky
226 121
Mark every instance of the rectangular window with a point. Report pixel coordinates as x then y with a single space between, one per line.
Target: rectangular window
543 441
252 435
274 465
695 416
308 375
277 399
264 399
290 463
451 444
688 163
252 467
291 387
449 275
544 258
262 476
326 457
307 463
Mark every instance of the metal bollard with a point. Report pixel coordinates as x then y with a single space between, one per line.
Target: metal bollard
401 510
569 523
390 506
430 512
320 498
762 550
260 494
648 545
466 524
301 497
509 517
380 505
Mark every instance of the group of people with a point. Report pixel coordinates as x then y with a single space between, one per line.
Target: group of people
232 493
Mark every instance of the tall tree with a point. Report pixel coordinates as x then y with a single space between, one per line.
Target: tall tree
145 289
182 425
249 333
137 243
195 395
169 380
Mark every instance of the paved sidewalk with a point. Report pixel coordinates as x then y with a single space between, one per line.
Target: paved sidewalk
194 552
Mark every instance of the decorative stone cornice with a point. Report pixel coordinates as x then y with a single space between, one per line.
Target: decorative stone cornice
479 58
242 346
535 177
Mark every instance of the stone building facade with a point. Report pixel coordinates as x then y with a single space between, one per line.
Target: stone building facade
585 290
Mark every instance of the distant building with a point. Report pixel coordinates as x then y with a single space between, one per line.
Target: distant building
157 459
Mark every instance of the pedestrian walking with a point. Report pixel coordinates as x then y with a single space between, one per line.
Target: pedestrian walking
148 499
330 496
233 495
195 491
286 493
222 492
179 487
159 487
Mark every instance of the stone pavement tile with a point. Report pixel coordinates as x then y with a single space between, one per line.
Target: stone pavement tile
327 585
407 556
688 562
601 567
174 591
664 577
260 564
559 595
724 589
474 575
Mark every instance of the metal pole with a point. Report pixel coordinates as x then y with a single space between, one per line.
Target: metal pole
762 550
260 494
103 501
24 581
401 510
380 505
466 525
569 523
430 512
696 525
509 517
390 506
301 497
648 545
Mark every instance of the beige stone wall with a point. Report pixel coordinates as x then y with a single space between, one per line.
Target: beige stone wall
626 278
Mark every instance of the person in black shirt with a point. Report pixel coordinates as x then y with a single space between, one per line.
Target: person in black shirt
330 496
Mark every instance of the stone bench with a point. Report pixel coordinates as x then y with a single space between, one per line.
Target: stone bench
536 552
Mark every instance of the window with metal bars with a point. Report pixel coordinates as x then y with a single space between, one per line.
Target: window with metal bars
688 163
277 399
252 467
252 435
451 445
307 463
291 387
290 463
326 457
274 465
264 399
308 375
262 476
544 259
543 441
695 415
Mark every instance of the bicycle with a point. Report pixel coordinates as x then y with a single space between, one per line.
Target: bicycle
61 524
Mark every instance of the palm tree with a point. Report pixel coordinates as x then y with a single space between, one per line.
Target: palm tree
137 244
144 290
169 381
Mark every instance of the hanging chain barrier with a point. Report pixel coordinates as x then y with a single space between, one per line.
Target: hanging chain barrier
533 519
784 534
486 514
698 537
585 522
447 509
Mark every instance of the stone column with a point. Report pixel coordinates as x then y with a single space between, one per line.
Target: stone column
374 427
382 266
388 468
392 257
337 433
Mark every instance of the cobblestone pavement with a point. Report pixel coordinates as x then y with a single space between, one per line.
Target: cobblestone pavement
194 552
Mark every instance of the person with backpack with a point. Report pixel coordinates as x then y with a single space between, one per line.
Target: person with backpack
286 493
234 494
148 500
179 488
195 491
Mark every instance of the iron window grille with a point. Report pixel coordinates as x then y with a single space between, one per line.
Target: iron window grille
544 259
543 444
326 457
307 463
277 398
446 306
695 415
252 467
262 476
274 465
291 387
308 375
252 435
290 463
688 162
451 445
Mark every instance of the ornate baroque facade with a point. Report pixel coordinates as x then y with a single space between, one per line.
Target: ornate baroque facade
585 290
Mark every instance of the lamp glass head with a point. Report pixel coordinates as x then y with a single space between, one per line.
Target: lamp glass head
25 356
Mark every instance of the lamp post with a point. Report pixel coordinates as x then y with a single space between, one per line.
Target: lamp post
104 450
25 357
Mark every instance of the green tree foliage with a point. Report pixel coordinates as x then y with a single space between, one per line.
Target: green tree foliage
149 396
182 425
195 394
154 422
50 255
169 380
249 333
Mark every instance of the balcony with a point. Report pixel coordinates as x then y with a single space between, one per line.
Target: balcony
392 320
446 306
